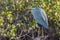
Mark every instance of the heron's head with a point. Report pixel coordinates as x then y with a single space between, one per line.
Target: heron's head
34 9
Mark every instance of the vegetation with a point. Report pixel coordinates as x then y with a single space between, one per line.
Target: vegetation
16 15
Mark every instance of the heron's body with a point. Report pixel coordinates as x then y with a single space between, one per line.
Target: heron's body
40 16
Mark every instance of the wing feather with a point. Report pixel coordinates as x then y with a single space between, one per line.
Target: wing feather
44 15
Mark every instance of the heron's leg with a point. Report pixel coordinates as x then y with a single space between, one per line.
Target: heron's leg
39 32
42 32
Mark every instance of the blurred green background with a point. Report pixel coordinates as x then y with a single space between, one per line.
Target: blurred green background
16 14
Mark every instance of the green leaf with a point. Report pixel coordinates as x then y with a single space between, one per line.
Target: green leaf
13 26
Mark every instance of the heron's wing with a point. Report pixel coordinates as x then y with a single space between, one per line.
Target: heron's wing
44 15
38 17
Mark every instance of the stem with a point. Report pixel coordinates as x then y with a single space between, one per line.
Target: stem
33 34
